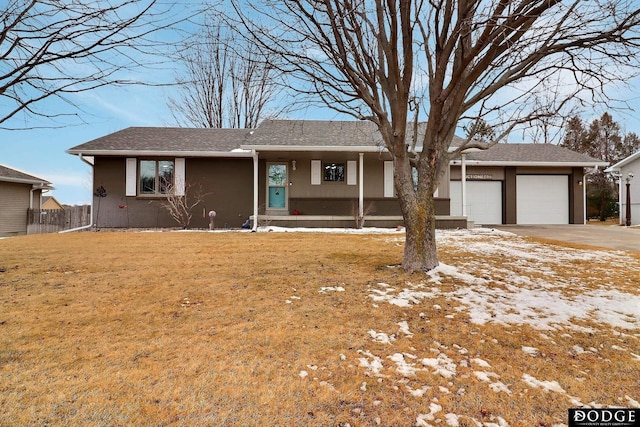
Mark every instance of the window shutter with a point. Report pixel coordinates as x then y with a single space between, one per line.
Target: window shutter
388 179
352 172
180 177
131 178
316 172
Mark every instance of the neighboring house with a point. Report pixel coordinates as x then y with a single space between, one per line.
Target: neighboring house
19 192
319 173
628 172
50 202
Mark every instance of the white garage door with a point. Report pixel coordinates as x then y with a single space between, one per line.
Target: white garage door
484 201
542 199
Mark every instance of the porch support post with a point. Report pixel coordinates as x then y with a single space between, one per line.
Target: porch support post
361 186
255 190
463 171
584 198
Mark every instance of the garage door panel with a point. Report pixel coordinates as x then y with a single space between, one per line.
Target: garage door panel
484 201
542 199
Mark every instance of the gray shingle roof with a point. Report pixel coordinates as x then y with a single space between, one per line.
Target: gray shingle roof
11 175
315 133
165 139
299 134
532 153
322 133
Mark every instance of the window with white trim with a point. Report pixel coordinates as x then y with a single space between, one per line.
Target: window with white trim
155 176
333 172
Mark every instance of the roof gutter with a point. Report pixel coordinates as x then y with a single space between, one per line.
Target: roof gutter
41 184
162 153
306 148
522 163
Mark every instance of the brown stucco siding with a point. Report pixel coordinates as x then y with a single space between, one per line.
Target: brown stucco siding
227 183
576 196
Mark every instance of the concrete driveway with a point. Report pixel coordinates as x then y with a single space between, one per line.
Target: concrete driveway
607 236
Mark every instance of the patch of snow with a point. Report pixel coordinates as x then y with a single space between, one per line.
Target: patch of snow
499 387
633 403
374 366
485 376
327 289
364 230
402 366
422 419
442 365
531 351
419 392
452 420
481 363
546 385
404 328
381 337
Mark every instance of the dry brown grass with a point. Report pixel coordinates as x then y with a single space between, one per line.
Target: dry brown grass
215 329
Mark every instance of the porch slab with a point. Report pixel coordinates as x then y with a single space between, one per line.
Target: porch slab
346 221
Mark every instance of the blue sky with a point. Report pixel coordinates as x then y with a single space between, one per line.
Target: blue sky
42 152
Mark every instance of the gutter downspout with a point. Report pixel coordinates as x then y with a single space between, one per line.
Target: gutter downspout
361 187
254 154
84 227
33 188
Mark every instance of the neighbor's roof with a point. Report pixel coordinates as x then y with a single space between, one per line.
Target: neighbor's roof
531 155
11 175
165 141
321 135
624 162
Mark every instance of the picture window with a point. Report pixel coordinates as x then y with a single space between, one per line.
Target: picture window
333 172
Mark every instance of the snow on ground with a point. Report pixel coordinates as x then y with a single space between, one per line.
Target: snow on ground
526 290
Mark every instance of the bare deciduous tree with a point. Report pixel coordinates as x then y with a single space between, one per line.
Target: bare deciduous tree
180 201
507 62
56 48
227 82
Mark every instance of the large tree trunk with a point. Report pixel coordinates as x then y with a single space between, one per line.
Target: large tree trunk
419 213
420 251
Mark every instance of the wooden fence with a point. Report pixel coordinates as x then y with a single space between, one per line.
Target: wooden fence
55 220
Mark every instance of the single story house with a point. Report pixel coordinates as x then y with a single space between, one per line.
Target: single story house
19 192
319 173
628 173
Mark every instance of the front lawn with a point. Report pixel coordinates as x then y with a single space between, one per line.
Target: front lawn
312 329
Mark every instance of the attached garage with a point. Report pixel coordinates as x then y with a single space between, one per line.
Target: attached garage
521 184
542 199
484 201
